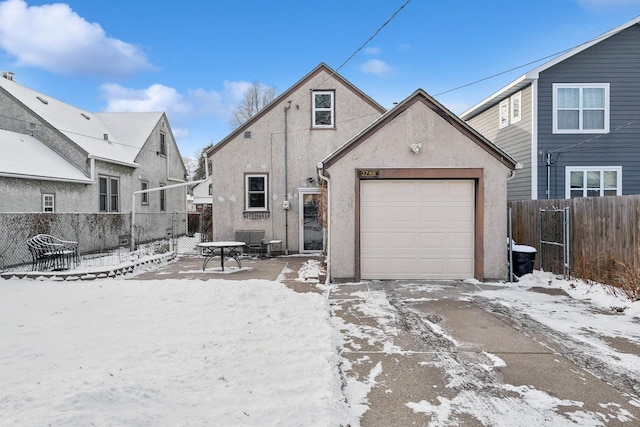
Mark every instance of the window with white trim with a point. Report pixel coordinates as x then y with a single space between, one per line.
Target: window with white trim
593 181
48 202
503 114
580 108
163 144
109 196
323 109
256 192
163 198
144 185
516 107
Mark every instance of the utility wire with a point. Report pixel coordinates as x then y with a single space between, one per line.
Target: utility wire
562 52
374 35
577 144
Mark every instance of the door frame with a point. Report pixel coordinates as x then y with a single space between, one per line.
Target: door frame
301 193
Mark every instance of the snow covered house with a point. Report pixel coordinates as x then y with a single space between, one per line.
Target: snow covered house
59 158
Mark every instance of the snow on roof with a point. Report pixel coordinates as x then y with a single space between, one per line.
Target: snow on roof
130 129
88 130
24 156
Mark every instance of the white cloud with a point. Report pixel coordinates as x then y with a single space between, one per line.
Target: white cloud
373 51
182 109
55 38
377 67
156 97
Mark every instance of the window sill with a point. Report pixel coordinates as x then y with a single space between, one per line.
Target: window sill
256 214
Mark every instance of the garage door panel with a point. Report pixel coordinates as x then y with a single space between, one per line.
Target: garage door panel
460 240
374 240
417 229
401 214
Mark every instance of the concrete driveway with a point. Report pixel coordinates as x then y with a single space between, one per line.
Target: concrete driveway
435 355
438 354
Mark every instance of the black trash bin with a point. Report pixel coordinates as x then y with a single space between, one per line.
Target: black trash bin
522 259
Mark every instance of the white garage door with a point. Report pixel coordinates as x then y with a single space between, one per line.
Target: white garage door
417 229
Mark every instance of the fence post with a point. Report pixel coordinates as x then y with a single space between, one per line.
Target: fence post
566 219
510 245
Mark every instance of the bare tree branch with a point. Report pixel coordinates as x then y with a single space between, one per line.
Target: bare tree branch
255 98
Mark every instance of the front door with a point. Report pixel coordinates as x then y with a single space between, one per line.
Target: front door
311 231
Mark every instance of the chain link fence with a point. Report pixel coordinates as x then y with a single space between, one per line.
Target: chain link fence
105 238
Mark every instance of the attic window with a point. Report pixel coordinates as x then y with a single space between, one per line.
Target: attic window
32 126
41 99
247 134
86 116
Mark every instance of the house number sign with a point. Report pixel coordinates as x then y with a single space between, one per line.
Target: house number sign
369 173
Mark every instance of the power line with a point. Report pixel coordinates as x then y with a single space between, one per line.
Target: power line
374 35
562 52
577 144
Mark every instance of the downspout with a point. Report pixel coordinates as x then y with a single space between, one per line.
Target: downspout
512 174
286 179
92 167
320 168
548 163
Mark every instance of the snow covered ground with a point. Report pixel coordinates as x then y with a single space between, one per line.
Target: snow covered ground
116 352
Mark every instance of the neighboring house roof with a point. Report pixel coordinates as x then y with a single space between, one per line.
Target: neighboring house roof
130 129
201 192
534 74
421 96
88 130
273 104
24 156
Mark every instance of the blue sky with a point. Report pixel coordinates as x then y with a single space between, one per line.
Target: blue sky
194 59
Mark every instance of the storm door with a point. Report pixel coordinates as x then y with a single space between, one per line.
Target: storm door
311 231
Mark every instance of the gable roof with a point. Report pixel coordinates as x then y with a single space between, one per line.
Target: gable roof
534 74
24 156
87 130
273 104
421 96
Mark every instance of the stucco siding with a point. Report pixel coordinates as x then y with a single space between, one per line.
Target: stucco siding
15 118
264 153
616 61
443 147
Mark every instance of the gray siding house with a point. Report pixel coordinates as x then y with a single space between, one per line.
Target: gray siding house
573 123
59 158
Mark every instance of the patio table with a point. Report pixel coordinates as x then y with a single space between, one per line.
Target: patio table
211 247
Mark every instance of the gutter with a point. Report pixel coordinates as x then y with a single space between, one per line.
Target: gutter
325 178
46 178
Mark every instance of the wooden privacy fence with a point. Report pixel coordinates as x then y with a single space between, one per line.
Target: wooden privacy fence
604 233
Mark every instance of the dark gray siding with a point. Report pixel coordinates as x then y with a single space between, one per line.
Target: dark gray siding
515 140
616 61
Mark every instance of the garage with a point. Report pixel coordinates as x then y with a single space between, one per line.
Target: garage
417 229
417 195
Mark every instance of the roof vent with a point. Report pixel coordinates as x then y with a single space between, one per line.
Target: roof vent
7 75
41 99
105 136
86 116
247 134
